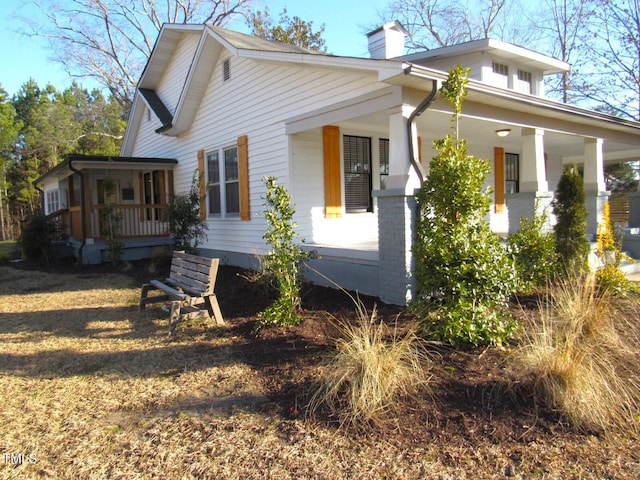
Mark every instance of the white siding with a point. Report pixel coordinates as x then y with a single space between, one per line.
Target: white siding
173 79
255 102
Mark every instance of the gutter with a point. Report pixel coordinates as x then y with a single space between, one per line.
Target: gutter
420 109
82 209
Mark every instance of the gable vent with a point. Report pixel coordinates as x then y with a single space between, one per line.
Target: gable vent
226 70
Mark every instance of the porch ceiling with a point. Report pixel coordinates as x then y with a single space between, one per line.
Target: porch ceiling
479 123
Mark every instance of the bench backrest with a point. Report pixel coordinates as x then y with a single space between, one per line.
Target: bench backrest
193 273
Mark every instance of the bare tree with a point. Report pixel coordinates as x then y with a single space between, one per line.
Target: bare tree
110 41
563 30
439 23
615 49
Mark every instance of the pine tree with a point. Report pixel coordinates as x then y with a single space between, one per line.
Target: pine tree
570 230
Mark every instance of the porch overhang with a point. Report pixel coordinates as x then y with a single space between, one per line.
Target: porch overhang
75 162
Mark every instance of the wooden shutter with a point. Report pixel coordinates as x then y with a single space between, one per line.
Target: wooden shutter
203 191
498 176
332 172
243 177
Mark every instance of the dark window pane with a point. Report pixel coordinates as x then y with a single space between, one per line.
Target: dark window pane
214 199
357 173
233 197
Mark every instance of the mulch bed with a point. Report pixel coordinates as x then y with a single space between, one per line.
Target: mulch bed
474 397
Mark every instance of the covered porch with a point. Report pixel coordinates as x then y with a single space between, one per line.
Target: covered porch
80 191
528 140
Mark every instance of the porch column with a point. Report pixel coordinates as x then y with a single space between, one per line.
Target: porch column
397 209
595 188
87 231
534 187
401 173
396 218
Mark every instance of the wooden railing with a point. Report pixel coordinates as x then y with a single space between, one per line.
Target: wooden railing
136 221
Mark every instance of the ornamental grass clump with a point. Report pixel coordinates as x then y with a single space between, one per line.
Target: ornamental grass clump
581 354
372 374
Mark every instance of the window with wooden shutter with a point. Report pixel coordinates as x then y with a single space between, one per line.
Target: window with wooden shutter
227 174
332 172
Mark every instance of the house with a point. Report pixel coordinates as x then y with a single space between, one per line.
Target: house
350 138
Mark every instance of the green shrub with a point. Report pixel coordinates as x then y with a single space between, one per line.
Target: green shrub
534 252
36 237
285 258
570 230
183 214
463 275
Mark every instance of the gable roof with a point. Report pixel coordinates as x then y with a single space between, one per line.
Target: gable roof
213 40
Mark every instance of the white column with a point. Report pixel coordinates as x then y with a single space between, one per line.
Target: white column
402 175
533 175
534 187
593 165
595 187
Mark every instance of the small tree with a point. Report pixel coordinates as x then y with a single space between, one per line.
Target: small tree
183 213
463 275
570 230
609 276
285 257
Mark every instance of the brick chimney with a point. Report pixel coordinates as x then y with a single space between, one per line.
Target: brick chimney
387 41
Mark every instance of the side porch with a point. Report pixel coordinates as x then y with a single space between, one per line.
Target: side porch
91 198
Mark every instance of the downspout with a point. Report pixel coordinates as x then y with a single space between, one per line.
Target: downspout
420 109
82 210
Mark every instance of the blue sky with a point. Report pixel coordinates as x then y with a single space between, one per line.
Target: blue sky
22 58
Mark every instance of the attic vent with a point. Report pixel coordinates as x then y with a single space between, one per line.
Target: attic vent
226 70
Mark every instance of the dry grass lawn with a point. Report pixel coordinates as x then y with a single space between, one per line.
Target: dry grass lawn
92 390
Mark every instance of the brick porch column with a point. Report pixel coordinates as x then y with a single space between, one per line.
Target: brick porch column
396 219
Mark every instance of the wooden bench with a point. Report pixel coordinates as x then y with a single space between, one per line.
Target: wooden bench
189 288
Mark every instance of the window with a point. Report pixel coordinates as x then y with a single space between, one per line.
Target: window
223 180
523 82
384 162
357 173
512 172
500 75
500 69
52 201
